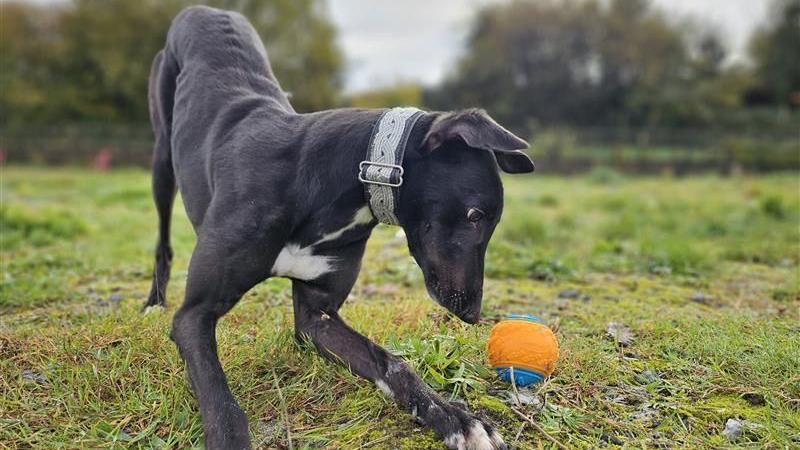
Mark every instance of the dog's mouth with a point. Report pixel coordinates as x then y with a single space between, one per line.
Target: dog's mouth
432 285
454 300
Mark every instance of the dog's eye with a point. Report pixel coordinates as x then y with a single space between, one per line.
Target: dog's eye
474 215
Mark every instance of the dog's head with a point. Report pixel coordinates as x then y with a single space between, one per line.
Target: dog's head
452 200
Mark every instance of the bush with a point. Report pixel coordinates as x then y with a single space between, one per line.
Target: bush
760 153
772 206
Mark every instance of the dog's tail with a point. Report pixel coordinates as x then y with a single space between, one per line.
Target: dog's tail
163 75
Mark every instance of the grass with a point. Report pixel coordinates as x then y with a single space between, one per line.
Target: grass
703 270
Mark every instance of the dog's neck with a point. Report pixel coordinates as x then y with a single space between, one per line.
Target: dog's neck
331 193
413 150
381 171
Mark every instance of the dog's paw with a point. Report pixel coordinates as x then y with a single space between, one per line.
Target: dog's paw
471 433
153 309
477 436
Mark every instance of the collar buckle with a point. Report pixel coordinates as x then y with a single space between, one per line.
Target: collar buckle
380 176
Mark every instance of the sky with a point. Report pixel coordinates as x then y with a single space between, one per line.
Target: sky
419 40
387 41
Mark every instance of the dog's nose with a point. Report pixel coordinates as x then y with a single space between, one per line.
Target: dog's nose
470 316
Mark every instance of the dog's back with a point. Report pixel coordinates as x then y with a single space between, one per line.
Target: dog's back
211 88
220 51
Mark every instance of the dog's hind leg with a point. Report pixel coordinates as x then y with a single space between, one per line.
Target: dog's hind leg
459 429
164 196
162 87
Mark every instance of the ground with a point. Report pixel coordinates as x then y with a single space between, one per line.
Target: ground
702 270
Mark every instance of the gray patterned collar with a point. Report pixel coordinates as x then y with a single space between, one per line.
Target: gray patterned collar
382 171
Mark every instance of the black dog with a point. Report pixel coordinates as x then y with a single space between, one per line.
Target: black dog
274 193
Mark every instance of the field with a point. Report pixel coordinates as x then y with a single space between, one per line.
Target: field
703 270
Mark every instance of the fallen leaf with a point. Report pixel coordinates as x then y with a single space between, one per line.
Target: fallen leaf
620 333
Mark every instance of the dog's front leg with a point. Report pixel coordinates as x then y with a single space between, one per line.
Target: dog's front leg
316 318
223 267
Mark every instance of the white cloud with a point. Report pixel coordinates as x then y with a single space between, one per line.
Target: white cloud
386 41
409 40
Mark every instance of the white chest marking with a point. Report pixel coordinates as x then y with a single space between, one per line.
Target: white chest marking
301 263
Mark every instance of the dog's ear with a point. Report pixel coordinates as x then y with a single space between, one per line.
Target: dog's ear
478 130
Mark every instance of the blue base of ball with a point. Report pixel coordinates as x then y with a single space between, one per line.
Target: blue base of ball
528 317
522 377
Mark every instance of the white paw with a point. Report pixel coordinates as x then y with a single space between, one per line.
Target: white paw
476 439
455 441
154 308
497 440
384 388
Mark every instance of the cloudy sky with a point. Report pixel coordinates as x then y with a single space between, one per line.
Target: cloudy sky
388 41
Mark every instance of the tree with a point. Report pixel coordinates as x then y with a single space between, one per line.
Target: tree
521 61
89 60
620 62
108 48
30 44
775 50
301 42
400 93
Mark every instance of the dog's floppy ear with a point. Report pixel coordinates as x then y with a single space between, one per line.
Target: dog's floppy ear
478 130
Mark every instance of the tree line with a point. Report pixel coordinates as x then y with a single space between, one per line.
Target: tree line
89 60
531 63
620 63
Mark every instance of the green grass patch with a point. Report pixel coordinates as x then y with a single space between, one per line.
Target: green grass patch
703 270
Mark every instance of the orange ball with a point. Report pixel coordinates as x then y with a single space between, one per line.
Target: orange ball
525 344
